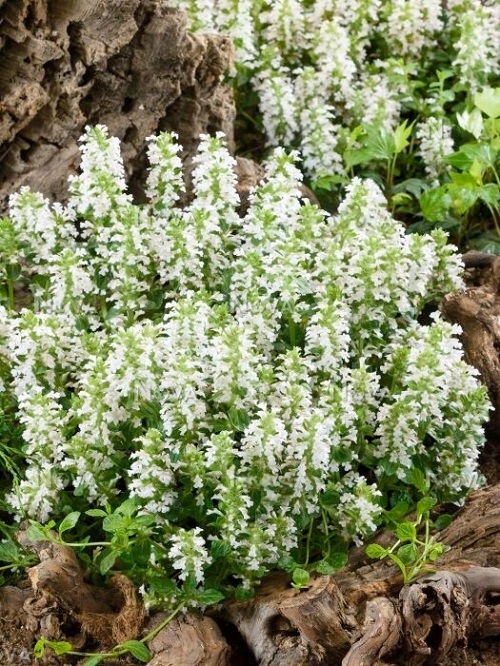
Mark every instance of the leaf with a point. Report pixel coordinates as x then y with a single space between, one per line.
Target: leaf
324 568
401 135
35 532
398 512
417 478
376 551
459 160
300 577
471 122
39 648
219 549
69 521
137 649
442 521
406 532
209 597
435 204
96 513
337 560
94 660
408 553
488 100
107 562
242 594
424 505
490 194
9 552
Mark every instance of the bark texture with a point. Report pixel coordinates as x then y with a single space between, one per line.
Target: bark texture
128 64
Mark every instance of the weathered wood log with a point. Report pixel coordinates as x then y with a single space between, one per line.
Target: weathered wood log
129 65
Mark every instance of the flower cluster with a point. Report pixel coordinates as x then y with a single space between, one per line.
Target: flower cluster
318 66
243 381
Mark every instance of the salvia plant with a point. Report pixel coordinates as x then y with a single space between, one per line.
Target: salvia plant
379 88
197 397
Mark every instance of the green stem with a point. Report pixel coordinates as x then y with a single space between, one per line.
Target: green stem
10 288
163 624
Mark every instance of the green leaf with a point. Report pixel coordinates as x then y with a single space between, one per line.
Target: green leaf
436 551
406 532
242 594
35 532
471 122
435 204
209 597
408 553
219 549
39 648
324 568
107 562
398 512
69 521
417 479
401 135
490 194
94 660
459 160
376 551
137 649
442 521
488 100
13 271
424 505
96 513
300 577
9 552
337 560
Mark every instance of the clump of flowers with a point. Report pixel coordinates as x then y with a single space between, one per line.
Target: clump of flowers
367 62
229 394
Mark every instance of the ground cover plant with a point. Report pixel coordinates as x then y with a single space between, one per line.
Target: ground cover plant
404 92
197 398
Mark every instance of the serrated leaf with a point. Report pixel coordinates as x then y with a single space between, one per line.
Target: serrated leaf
408 553
219 549
324 568
488 100
417 478
337 560
137 649
424 505
406 532
210 597
69 521
376 551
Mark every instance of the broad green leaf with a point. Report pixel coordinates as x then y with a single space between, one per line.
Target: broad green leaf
406 532
242 594
471 122
69 521
300 577
398 512
442 521
459 160
424 505
337 560
482 152
417 478
408 553
436 551
39 648
435 204
219 548
400 198
324 568
490 194
376 552
488 100
137 649
60 647
209 597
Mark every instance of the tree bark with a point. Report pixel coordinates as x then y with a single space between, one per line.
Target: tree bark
129 65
